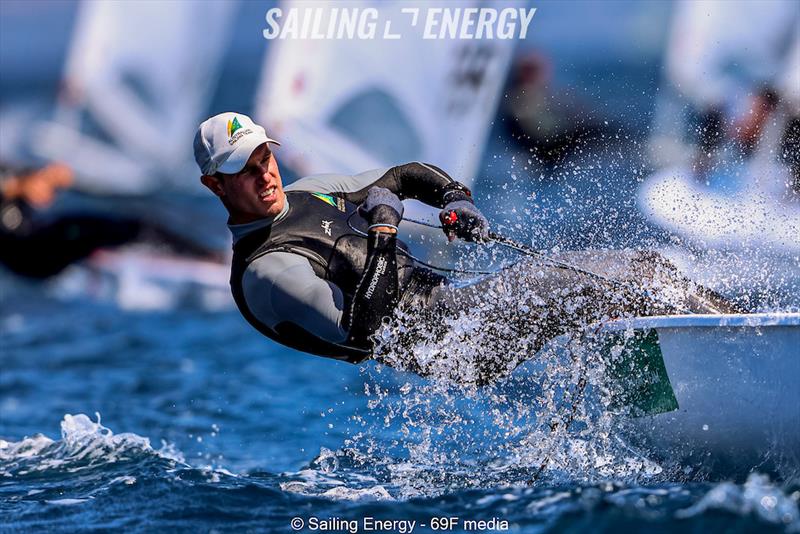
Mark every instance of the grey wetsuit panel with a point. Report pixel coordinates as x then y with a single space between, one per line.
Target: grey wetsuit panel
336 183
282 286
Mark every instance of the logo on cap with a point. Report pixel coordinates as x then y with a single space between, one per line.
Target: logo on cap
233 125
236 131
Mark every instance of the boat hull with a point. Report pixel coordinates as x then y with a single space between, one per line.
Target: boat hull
736 380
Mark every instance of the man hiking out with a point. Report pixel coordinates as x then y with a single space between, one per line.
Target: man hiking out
317 266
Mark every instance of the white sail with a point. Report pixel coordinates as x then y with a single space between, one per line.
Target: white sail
346 105
137 78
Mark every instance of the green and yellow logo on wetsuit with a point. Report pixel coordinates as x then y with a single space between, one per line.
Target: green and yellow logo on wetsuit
336 202
325 198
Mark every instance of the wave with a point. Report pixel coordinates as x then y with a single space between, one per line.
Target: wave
84 445
95 475
338 476
756 497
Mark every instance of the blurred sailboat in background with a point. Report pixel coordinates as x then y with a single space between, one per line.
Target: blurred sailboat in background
347 105
136 81
725 141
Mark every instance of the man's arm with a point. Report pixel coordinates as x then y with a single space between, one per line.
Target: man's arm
378 289
377 293
421 181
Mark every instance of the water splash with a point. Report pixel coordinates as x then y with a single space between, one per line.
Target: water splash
548 423
547 412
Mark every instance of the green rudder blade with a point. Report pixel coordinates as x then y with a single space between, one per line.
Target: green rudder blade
639 382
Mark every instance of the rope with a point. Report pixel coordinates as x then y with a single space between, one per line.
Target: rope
529 251
421 262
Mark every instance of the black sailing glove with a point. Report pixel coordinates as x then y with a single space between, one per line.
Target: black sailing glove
462 219
381 208
455 191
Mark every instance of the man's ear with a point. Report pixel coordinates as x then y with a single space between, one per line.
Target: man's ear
214 184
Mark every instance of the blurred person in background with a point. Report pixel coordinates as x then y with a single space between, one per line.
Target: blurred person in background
38 243
549 121
318 266
738 64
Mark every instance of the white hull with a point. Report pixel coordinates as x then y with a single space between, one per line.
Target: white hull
736 380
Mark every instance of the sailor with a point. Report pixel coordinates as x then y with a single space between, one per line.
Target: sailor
740 70
33 242
37 241
317 266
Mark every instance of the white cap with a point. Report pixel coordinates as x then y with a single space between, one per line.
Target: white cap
224 143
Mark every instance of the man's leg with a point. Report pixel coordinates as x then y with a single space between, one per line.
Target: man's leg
505 318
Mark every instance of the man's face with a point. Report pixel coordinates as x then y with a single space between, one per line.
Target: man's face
255 192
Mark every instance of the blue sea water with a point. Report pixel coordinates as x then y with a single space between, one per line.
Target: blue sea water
189 421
